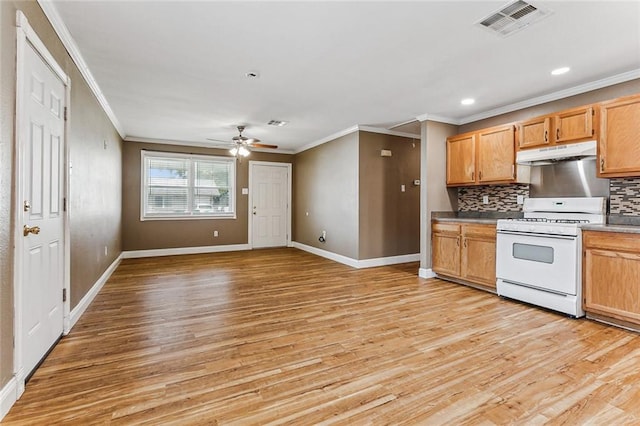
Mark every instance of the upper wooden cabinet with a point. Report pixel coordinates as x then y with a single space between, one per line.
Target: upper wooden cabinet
496 154
574 125
569 126
461 159
482 157
535 132
619 144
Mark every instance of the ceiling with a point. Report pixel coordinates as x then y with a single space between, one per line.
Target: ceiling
176 70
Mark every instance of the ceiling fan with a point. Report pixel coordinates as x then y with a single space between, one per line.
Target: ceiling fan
240 145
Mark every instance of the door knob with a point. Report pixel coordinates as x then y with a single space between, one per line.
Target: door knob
30 230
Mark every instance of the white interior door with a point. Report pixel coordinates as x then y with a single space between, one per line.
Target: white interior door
40 199
269 204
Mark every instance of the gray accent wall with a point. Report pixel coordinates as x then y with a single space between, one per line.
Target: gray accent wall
435 196
162 234
325 194
389 219
94 203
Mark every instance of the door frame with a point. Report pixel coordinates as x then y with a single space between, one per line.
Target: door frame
250 202
27 36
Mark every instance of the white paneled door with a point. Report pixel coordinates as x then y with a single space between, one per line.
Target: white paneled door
269 204
40 199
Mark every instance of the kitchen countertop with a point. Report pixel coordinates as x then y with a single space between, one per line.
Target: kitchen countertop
473 217
627 229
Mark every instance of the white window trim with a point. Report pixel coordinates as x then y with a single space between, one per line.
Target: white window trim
143 184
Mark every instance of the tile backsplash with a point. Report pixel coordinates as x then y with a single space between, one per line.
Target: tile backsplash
502 198
624 196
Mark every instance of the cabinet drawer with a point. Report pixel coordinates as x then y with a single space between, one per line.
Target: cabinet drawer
611 240
479 231
446 228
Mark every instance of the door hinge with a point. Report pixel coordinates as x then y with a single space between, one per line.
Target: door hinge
65 113
64 294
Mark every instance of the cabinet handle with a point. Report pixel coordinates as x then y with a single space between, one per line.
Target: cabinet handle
458 242
480 175
558 133
465 243
473 175
602 164
513 171
546 136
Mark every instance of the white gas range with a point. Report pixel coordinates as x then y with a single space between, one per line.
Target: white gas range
538 258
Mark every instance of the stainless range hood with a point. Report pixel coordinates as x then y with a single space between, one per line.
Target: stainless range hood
551 154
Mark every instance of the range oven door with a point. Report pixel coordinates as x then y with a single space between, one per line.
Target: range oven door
547 262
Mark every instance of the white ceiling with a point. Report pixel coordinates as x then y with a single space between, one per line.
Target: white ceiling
175 70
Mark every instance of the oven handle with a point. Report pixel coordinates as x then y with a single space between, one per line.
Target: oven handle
540 235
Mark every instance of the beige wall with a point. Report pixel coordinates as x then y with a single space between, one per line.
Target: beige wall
160 234
604 94
325 182
95 185
389 220
435 196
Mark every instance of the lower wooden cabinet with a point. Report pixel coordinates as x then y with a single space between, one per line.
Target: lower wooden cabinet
611 275
465 251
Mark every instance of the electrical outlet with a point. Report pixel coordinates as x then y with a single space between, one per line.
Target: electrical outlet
106 250
324 234
215 233
485 199
520 199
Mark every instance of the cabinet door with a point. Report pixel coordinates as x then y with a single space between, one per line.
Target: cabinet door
574 125
446 254
619 145
461 157
535 132
612 283
478 262
496 154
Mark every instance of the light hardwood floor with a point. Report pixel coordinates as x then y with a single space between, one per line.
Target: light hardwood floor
284 337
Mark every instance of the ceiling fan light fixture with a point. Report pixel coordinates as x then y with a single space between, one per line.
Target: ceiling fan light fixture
234 151
243 151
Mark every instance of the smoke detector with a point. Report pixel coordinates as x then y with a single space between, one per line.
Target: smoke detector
513 17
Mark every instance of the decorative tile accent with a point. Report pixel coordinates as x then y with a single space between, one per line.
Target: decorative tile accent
501 198
624 196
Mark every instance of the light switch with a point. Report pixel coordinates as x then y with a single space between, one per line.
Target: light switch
402 188
245 191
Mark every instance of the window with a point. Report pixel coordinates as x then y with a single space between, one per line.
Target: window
187 186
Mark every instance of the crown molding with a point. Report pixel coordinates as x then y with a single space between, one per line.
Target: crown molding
200 144
572 91
327 139
356 128
69 43
438 118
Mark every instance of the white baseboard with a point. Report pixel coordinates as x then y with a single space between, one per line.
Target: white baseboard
426 273
355 263
391 260
84 303
8 397
134 254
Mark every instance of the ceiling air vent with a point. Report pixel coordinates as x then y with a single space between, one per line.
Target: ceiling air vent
513 17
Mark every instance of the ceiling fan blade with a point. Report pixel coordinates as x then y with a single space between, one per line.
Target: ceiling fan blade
263 145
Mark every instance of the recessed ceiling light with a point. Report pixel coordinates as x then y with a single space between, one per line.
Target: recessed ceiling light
560 71
468 101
